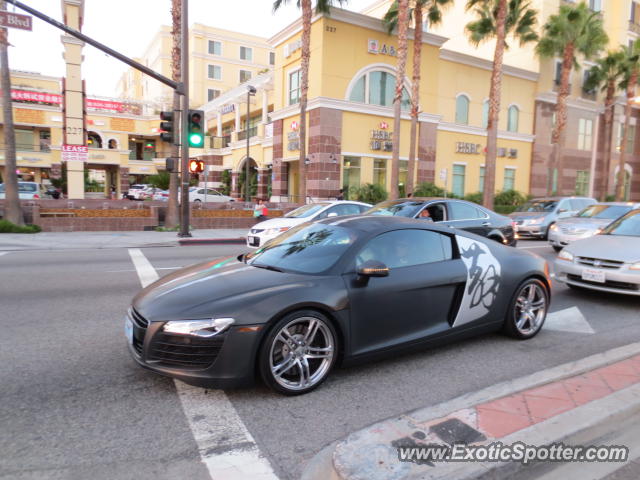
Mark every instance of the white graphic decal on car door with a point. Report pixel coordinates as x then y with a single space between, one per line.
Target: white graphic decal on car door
483 280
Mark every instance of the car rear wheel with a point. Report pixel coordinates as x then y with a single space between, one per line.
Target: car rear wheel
298 353
546 232
197 200
528 310
556 248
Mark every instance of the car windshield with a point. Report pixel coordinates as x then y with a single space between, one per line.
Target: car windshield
629 225
305 249
539 206
402 208
306 210
604 211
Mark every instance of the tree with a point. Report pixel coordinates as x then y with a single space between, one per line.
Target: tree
606 74
12 207
171 218
322 6
574 30
498 19
390 20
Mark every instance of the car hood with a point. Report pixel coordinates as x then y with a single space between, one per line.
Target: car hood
219 287
522 215
586 223
279 223
610 247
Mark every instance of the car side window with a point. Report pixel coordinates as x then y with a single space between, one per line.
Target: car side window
405 248
326 213
362 208
211 191
463 211
200 192
437 212
577 204
564 205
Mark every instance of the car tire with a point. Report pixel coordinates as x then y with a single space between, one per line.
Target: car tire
197 200
546 232
518 322
298 353
556 248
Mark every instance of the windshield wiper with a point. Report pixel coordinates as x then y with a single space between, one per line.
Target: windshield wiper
266 267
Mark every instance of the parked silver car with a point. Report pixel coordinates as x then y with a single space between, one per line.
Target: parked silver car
609 261
536 217
587 222
26 191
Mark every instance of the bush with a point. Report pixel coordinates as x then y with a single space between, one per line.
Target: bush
161 180
7 227
509 197
505 209
428 189
474 197
368 193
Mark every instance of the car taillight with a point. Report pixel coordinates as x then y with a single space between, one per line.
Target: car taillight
35 195
514 225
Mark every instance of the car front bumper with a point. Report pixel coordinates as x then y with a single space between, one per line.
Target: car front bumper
532 230
256 240
559 239
226 360
621 280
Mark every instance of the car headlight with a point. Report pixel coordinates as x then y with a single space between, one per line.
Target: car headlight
634 266
198 328
275 231
565 255
536 221
553 228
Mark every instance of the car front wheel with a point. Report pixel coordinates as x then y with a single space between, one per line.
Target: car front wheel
528 310
298 353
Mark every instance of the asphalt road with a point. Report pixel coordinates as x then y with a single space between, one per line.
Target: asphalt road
74 405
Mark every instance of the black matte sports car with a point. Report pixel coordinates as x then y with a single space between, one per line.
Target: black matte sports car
339 290
453 213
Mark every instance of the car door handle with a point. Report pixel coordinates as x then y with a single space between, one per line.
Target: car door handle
486 224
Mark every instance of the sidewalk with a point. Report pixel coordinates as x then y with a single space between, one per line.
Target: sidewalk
92 240
587 402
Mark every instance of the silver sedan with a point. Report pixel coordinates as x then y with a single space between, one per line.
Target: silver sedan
609 261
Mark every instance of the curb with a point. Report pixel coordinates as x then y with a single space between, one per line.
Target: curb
366 454
184 242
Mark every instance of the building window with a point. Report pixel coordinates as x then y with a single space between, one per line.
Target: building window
215 72
457 184
245 76
595 5
350 174
380 172
582 182
512 118
585 132
631 139
25 139
462 109
635 13
272 58
377 88
481 186
246 53
215 47
485 114
558 73
627 182
294 87
212 94
509 179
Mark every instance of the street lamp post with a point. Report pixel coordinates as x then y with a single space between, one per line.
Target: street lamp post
250 91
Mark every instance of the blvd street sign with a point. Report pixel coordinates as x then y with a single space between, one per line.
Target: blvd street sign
74 152
15 20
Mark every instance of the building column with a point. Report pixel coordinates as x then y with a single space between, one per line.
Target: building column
235 185
236 130
265 106
56 171
219 124
122 185
325 143
213 170
263 183
280 170
426 160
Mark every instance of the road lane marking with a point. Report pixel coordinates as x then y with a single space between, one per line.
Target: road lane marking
537 246
226 447
568 320
158 268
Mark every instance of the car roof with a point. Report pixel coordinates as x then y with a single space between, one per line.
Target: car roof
370 223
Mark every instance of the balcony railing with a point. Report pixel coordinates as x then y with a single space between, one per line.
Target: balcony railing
634 27
29 147
219 142
253 131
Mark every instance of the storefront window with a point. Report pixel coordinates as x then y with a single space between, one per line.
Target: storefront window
402 176
582 182
24 139
380 172
457 185
377 88
350 174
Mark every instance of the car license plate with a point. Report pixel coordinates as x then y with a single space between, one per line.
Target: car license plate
128 329
254 241
593 275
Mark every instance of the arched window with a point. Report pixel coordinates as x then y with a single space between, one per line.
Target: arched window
462 109
377 88
485 114
113 144
94 140
512 118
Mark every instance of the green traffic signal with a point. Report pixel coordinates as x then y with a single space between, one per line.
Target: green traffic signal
195 128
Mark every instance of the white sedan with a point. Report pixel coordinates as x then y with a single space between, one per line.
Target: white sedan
262 232
208 195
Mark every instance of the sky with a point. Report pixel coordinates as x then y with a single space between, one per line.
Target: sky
128 26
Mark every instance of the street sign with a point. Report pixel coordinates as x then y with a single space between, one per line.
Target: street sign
15 20
443 174
75 152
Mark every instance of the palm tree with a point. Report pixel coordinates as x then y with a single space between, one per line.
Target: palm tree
171 219
630 72
403 24
390 20
498 19
322 6
12 208
574 30
606 74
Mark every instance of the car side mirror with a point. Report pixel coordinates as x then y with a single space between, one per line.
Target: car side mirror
562 210
373 268
332 214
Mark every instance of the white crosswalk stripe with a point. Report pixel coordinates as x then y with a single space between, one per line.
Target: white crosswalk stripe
568 320
225 445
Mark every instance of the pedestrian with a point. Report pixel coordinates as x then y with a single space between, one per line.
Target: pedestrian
113 192
409 195
260 210
340 195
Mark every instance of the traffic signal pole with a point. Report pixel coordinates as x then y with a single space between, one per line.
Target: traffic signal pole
184 131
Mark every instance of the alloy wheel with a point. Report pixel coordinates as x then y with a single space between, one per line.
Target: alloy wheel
530 308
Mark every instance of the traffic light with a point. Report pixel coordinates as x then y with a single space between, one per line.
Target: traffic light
167 126
195 128
196 166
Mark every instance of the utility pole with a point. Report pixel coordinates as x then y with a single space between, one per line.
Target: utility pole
184 141
247 170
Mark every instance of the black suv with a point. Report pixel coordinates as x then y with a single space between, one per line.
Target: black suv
454 213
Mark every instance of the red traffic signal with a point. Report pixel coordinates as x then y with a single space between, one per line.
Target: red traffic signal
196 166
